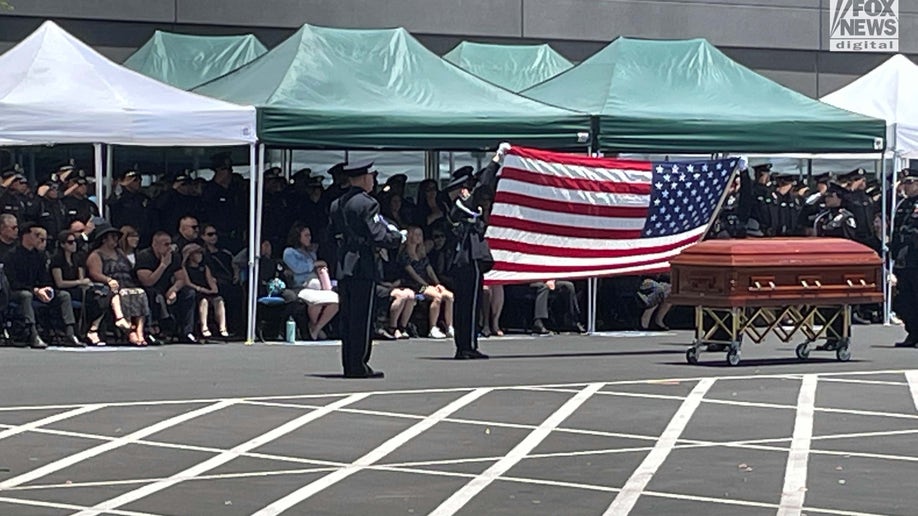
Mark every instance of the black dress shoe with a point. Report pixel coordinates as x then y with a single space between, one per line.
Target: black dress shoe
907 343
189 338
581 329
470 354
384 334
36 342
369 374
539 328
72 342
153 341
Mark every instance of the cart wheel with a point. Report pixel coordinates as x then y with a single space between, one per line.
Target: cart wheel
843 354
691 355
803 351
733 357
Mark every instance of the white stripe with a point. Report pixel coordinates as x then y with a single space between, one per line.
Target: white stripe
47 421
541 259
522 277
912 378
219 460
794 491
529 237
573 195
628 496
461 497
65 506
515 211
371 458
70 460
595 173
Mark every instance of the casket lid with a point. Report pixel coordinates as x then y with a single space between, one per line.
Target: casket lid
783 252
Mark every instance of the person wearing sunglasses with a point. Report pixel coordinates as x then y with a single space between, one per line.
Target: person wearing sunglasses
66 270
188 233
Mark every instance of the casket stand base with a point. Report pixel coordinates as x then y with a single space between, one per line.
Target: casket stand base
787 287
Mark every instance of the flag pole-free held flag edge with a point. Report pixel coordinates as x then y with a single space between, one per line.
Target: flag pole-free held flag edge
567 216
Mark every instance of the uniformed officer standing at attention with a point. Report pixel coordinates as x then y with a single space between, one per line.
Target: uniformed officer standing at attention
363 236
835 221
785 208
762 198
128 206
15 187
473 256
861 206
220 202
906 266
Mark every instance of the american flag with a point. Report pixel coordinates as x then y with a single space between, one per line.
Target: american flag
566 216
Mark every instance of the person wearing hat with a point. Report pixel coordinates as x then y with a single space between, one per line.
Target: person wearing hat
76 200
762 198
30 281
176 202
196 275
49 210
786 205
339 184
62 171
14 199
861 206
220 202
108 265
361 233
276 219
304 199
473 256
814 203
395 185
835 221
129 206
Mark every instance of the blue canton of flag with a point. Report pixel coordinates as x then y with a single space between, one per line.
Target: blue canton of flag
684 195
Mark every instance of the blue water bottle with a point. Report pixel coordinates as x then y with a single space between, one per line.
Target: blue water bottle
290 336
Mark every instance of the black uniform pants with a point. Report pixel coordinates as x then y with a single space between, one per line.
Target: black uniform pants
906 301
564 294
465 305
356 298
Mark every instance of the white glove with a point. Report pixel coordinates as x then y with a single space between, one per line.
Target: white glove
893 280
743 164
391 227
404 234
503 149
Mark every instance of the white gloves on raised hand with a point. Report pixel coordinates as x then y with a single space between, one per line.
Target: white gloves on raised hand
503 149
743 164
404 234
391 227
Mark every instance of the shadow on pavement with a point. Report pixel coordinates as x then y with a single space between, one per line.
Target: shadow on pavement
573 355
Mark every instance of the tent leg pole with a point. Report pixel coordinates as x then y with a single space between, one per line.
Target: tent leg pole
253 246
97 166
257 218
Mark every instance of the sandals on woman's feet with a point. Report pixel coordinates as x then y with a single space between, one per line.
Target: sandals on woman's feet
92 338
123 324
224 334
205 333
135 340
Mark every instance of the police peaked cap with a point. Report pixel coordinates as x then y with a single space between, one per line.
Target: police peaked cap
854 175
764 168
357 169
823 178
785 177
221 160
836 189
337 168
129 173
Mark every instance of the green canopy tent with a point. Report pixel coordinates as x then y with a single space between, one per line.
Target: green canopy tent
328 88
186 61
686 96
514 67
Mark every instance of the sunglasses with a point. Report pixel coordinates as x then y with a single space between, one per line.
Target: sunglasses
68 242
210 233
439 236
194 227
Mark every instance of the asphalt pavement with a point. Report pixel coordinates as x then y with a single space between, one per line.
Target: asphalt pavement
616 423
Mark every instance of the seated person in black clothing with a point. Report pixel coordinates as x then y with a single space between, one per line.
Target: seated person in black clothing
556 292
420 277
27 270
66 272
196 275
220 261
155 268
187 233
9 234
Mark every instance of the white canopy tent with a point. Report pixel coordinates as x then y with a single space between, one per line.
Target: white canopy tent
55 89
887 92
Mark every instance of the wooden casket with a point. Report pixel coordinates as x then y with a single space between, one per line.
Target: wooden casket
776 272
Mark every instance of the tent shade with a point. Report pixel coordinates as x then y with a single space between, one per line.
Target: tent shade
886 92
186 61
374 89
687 96
55 89
514 67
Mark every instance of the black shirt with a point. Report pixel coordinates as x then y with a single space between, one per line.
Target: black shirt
6 249
68 272
147 260
27 269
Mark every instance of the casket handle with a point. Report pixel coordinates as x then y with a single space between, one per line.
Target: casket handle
758 286
806 284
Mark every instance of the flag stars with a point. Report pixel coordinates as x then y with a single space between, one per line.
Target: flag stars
690 168
675 169
659 169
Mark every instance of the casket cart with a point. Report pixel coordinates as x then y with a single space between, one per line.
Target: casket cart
776 286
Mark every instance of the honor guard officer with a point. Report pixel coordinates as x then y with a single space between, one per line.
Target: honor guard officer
220 204
14 200
48 211
906 266
835 221
473 256
733 218
79 207
904 208
814 204
362 235
128 206
785 210
276 220
860 205
762 198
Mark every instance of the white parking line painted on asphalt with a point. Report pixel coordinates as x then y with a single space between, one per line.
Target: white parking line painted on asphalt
28 427
634 487
370 458
912 378
133 437
794 492
461 497
219 460
65 506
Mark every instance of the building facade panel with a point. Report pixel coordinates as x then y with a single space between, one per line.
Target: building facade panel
119 10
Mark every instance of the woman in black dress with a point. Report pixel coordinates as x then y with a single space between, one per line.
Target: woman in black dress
196 275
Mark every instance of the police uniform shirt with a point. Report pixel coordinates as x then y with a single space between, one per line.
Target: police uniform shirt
14 203
361 230
130 209
219 207
80 209
51 214
861 206
836 222
762 202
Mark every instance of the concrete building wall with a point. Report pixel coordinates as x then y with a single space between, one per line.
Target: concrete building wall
785 40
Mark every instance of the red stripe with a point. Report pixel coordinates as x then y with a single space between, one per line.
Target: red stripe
576 208
549 270
570 183
563 231
580 160
515 246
